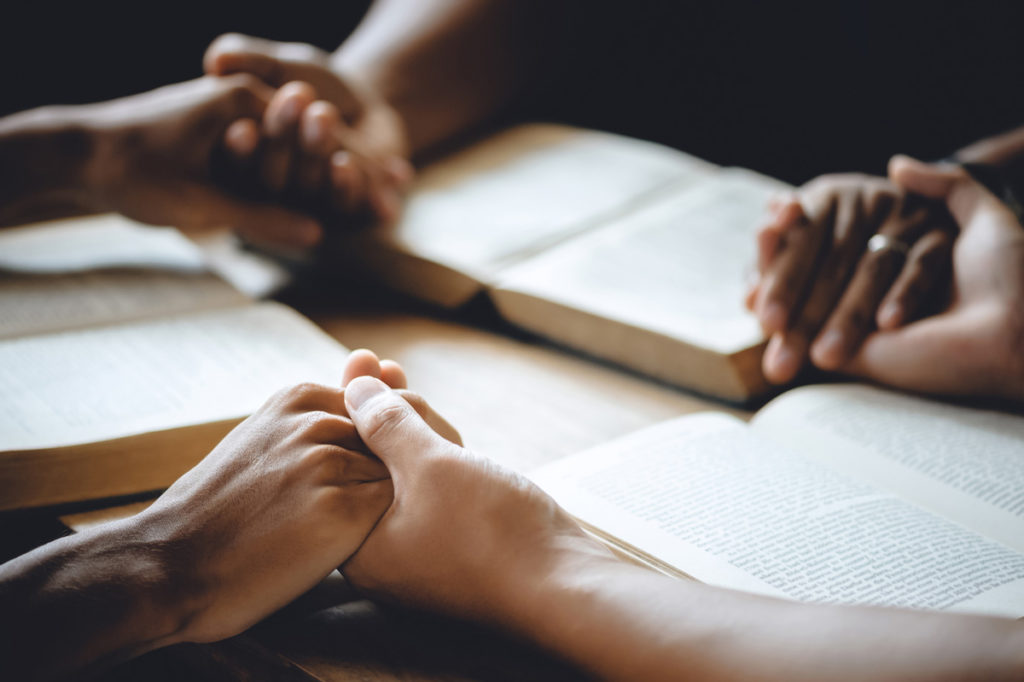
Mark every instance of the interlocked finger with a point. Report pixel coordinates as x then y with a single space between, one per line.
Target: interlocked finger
281 133
927 266
312 168
785 280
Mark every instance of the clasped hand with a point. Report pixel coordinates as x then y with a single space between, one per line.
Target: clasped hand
297 488
936 309
254 148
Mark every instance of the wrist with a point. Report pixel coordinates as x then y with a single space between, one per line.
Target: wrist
114 146
48 153
105 595
379 111
150 606
553 578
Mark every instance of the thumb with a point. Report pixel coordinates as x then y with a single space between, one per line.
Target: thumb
933 355
237 53
963 195
389 426
930 180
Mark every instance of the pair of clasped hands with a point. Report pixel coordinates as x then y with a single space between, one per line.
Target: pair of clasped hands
270 143
915 281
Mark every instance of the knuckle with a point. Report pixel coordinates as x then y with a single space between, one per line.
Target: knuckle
382 423
322 460
317 423
303 393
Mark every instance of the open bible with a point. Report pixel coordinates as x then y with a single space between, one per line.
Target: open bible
626 250
117 380
840 493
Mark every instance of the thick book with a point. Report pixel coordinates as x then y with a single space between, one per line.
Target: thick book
117 380
622 249
833 494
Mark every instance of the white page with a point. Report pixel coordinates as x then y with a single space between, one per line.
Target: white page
36 304
113 241
966 464
708 495
527 188
676 267
97 384
101 241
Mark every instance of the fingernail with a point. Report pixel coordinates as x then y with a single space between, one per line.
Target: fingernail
313 132
785 360
829 349
361 389
291 110
889 316
779 360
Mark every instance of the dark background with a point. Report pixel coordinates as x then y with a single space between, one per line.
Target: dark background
789 88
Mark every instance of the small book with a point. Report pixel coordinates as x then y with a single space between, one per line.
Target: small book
836 494
117 380
625 250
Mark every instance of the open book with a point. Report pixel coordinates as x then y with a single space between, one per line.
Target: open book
117 380
842 493
623 249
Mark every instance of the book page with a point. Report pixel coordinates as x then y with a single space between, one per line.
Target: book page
527 188
966 464
97 384
710 496
92 242
36 304
112 241
676 266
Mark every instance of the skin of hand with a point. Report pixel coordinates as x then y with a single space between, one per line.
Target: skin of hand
976 345
463 524
155 157
468 538
821 291
285 498
349 144
364 363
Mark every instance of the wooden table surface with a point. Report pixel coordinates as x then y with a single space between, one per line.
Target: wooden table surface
517 400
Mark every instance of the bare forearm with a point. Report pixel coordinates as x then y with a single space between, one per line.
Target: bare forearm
998 150
45 157
628 623
446 65
84 602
